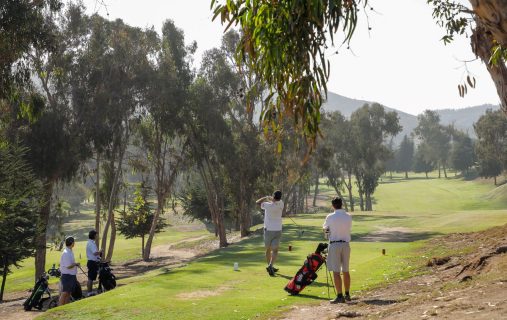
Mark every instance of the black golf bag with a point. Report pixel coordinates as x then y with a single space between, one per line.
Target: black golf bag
36 299
308 272
107 280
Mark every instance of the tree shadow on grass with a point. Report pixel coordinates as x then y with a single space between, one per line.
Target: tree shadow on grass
393 236
367 217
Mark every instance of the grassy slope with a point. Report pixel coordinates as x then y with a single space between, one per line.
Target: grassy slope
209 288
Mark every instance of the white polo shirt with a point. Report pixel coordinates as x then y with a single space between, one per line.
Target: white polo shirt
91 248
272 215
339 224
67 260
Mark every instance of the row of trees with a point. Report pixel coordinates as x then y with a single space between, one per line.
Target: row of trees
440 147
102 99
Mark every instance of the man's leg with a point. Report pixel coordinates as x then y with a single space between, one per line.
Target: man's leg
268 255
337 282
346 281
64 298
274 254
345 269
89 286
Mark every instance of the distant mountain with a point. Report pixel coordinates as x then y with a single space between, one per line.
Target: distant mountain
463 119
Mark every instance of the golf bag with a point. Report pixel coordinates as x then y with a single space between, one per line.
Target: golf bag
36 299
76 294
107 280
308 272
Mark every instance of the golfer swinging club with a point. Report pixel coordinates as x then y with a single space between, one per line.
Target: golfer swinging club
273 208
337 228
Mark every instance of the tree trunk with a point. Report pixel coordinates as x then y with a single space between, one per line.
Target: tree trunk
426 174
491 25
406 174
40 239
4 278
439 175
244 218
368 206
339 193
151 235
112 240
306 199
349 188
314 203
445 172
142 246
214 202
112 198
495 180
361 201
97 202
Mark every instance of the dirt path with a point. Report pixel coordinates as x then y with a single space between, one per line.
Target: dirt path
471 286
163 256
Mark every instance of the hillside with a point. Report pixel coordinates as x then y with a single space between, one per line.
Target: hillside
463 119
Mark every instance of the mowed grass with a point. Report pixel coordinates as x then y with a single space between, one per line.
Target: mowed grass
22 279
209 288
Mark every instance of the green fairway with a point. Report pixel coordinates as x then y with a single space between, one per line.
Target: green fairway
411 211
125 249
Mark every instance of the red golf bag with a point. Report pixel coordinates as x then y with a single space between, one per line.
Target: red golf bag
308 272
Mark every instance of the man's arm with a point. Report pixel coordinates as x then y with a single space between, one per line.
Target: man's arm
75 264
263 199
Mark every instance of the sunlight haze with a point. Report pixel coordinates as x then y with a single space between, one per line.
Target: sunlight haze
401 63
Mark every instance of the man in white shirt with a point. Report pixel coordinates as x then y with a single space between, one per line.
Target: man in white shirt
338 227
68 268
93 256
273 208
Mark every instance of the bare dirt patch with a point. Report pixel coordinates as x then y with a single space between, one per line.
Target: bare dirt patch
441 293
201 294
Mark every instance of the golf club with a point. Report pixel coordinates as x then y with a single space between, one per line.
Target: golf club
301 231
82 271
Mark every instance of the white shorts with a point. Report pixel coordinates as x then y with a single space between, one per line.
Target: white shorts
338 257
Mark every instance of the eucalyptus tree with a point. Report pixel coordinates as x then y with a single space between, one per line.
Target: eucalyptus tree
161 133
286 42
372 125
484 23
340 151
109 85
491 146
209 137
54 141
245 92
405 156
423 163
436 137
462 155
24 26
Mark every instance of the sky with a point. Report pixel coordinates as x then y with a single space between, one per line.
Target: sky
400 63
